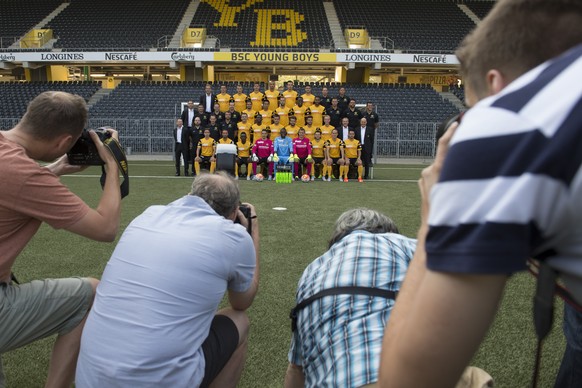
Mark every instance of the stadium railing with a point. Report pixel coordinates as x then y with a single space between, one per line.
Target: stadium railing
399 140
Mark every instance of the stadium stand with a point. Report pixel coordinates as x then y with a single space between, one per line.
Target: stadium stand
411 24
458 91
155 100
16 19
129 24
299 24
479 7
15 96
160 100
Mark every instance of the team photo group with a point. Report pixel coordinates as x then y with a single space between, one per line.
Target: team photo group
313 137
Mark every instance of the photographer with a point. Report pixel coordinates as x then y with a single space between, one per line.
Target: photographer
338 335
32 194
155 321
503 189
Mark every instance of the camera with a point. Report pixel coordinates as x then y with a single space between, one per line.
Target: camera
84 152
444 126
246 211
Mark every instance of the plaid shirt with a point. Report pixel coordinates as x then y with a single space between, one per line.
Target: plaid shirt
339 338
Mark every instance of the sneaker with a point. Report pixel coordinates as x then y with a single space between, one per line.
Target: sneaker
270 178
312 178
360 179
248 178
236 178
345 179
323 178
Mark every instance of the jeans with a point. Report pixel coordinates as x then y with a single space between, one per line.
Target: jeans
570 373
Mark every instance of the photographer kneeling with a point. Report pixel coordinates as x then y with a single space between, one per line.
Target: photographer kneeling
155 322
32 194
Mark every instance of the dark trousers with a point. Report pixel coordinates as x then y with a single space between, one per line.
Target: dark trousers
182 150
366 162
570 373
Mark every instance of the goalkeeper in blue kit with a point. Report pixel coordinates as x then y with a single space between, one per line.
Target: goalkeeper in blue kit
282 151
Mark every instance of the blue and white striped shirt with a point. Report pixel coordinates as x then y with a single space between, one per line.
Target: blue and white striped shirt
511 186
339 338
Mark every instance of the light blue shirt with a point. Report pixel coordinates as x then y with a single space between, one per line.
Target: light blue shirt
283 146
158 295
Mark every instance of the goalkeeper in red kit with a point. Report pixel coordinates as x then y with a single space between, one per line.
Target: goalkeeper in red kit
263 154
302 151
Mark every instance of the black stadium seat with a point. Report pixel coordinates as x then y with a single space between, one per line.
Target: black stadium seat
412 25
111 24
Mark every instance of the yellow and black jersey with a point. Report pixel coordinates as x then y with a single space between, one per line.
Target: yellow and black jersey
351 147
244 128
256 130
257 100
334 147
309 132
207 146
317 148
240 102
317 112
283 113
251 115
292 132
244 149
299 113
266 116
326 131
223 100
308 99
290 98
225 141
273 97
275 131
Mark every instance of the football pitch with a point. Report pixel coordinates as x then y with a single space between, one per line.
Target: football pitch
290 240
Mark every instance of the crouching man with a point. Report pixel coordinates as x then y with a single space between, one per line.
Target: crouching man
338 337
155 321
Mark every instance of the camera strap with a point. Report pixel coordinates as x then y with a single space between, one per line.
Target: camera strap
115 148
547 286
354 290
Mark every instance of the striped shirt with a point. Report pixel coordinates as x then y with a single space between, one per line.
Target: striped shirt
339 338
511 186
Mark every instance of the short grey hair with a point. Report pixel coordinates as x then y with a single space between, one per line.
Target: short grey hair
361 219
219 190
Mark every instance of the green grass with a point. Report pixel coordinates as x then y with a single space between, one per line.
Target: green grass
289 241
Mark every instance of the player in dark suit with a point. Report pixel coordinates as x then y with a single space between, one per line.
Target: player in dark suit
343 129
182 137
365 134
188 114
207 99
